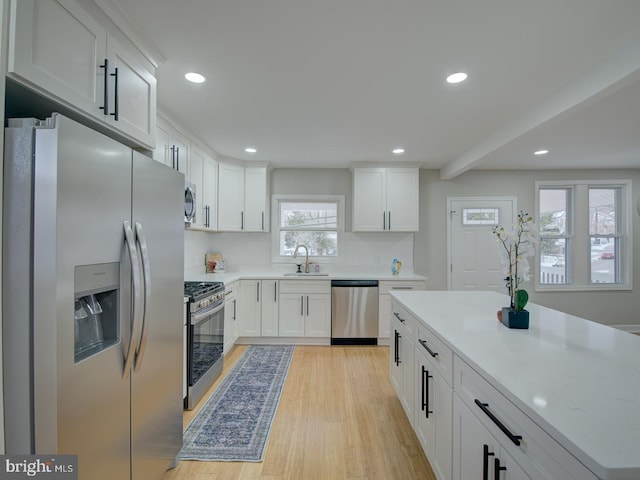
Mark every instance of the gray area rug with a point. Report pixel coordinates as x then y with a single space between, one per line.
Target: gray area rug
235 422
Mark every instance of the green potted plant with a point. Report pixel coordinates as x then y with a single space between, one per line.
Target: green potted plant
516 246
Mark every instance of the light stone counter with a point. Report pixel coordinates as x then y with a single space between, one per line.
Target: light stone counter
577 379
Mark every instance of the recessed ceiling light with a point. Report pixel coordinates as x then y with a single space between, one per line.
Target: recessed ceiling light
541 152
398 150
250 150
457 77
194 77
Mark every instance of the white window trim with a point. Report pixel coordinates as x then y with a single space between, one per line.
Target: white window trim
579 228
275 228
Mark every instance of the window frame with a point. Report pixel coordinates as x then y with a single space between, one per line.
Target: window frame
578 254
276 227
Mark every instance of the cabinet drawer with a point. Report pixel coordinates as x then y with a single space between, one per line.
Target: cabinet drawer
305 286
400 316
538 453
440 356
385 286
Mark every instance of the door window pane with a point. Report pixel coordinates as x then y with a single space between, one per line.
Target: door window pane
481 216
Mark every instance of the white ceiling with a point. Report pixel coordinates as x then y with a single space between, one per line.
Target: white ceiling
323 83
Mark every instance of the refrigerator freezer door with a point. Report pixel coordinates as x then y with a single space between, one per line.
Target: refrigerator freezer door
82 196
156 402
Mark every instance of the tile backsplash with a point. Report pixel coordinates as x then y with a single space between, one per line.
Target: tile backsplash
359 251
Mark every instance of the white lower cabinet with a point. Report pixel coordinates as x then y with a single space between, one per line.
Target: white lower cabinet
384 301
433 397
258 312
468 429
478 455
305 308
401 359
230 316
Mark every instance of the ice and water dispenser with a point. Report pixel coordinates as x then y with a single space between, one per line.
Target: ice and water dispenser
96 309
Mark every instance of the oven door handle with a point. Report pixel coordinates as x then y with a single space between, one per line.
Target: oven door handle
202 315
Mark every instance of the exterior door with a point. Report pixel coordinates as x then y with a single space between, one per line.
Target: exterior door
474 262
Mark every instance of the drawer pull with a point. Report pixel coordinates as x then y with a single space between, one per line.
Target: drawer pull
485 461
402 288
497 469
485 408
431 352
396 353
425 392
397 315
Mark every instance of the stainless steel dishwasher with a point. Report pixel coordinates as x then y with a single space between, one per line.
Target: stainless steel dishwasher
354 312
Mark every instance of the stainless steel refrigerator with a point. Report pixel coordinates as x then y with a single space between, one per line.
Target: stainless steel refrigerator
93 239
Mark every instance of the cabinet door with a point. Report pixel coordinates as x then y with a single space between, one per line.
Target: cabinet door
403 199
433 415
134 89
250 311
369 199
395 365
162 152
231 197
318 315
269 308
384 315
291 318
407 352
209 197
230 324
58 47
255 199
197 178
181 153
474 448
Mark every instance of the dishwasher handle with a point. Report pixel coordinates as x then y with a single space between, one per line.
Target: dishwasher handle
354 283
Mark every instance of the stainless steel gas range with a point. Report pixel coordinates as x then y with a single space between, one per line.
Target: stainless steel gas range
205 337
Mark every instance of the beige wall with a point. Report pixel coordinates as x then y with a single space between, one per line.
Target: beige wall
612 308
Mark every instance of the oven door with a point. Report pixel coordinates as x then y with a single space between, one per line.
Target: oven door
206 341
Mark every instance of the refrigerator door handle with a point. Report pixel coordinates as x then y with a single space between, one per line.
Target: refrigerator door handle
146 274
135 275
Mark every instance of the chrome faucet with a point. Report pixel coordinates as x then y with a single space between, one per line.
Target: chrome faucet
306 262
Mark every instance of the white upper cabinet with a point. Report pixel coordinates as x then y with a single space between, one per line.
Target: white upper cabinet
204 175
58 49
242 197
386 199
172 148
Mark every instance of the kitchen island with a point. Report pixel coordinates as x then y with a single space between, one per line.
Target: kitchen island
566 391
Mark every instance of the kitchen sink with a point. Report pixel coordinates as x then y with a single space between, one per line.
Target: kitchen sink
302 274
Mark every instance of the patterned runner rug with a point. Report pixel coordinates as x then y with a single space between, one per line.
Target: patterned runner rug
235 422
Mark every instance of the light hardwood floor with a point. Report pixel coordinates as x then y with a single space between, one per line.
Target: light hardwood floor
338 419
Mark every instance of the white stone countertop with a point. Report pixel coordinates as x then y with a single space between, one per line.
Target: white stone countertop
268 273
577 379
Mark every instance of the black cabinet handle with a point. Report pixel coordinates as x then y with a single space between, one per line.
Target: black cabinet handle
431 352
263 221
396 356
425 392
497 469
301 306
242 220
234 309
307 305
397 315
485 461
384 220
389 223
485 408
116 100
258 291
178 158
105 98
173 156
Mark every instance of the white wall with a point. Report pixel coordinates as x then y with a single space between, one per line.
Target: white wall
612 308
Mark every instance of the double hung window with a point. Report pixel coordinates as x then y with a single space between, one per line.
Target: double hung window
585 235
